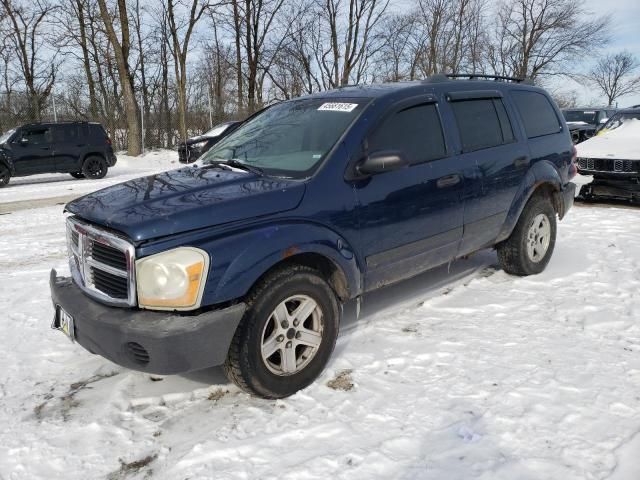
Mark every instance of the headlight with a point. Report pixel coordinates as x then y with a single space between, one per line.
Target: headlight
172 280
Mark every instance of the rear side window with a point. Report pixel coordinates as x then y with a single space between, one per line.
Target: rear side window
415 131
98 134
483 123
66 134
538 115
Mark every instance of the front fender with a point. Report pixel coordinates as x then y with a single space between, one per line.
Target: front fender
240 260
541 173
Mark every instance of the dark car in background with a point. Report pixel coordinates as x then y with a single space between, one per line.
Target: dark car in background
584 123
193 148
82 149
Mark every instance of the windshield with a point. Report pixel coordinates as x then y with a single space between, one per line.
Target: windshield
289 139
619 119
6 135
586 116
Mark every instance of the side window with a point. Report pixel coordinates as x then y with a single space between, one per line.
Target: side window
538 115
482 123
415 131
66 134
37 136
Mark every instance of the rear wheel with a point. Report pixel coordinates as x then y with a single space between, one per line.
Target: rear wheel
94 167
529 248
77 174
5 176
287 334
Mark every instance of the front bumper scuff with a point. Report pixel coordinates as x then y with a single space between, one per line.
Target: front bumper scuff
175 343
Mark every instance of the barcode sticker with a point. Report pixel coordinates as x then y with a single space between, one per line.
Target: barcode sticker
338 107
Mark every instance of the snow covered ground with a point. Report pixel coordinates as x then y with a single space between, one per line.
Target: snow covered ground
457 374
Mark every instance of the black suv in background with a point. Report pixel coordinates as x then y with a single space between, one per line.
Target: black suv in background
193 148
584 123
82 149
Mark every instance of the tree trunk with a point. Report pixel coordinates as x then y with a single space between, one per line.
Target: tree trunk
121 51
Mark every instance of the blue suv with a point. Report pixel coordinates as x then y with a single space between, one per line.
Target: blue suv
246 259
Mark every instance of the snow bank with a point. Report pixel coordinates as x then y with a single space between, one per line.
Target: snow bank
458 374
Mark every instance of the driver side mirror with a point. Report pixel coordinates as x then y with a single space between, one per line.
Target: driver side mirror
381 162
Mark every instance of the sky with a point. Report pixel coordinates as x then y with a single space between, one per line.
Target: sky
625 35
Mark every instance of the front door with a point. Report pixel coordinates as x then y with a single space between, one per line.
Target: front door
33 152
410 219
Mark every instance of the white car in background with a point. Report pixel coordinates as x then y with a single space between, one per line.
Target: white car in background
612 159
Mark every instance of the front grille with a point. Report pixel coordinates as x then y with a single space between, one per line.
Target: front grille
112 285
608 165
109 256
102 263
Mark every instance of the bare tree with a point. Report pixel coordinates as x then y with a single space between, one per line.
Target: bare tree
349 28
181 30
614 75
27 27
544 36
121 48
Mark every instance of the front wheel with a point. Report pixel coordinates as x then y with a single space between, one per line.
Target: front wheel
5 176
528 249
287 334
94 168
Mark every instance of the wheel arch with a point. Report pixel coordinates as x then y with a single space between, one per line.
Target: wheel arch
541 179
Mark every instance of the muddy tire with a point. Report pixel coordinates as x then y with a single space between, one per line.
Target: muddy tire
94 167
287 334
5 176
529 248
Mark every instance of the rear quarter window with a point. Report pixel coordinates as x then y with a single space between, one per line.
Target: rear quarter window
537 113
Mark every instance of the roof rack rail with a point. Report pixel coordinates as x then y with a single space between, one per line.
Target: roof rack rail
472 76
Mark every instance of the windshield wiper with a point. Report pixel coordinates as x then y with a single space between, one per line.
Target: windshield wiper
235 164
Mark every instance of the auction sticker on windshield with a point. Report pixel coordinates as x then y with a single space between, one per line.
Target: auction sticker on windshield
338 107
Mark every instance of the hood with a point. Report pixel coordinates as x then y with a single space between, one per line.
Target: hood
186 199
621 143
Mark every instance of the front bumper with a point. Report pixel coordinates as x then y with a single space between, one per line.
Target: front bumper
170 343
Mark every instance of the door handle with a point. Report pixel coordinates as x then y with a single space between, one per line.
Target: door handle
448 181
522 161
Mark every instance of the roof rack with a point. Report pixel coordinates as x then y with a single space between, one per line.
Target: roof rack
472 76
440 78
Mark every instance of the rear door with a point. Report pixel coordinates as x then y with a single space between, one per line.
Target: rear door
33 152
70 143
489 140
410 219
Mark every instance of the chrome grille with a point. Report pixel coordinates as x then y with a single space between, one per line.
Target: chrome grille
101 263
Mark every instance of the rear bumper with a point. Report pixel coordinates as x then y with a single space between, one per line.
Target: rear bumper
173 343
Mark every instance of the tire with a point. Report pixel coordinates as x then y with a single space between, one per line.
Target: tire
257 358
77 174
5 176
94 167
529 248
